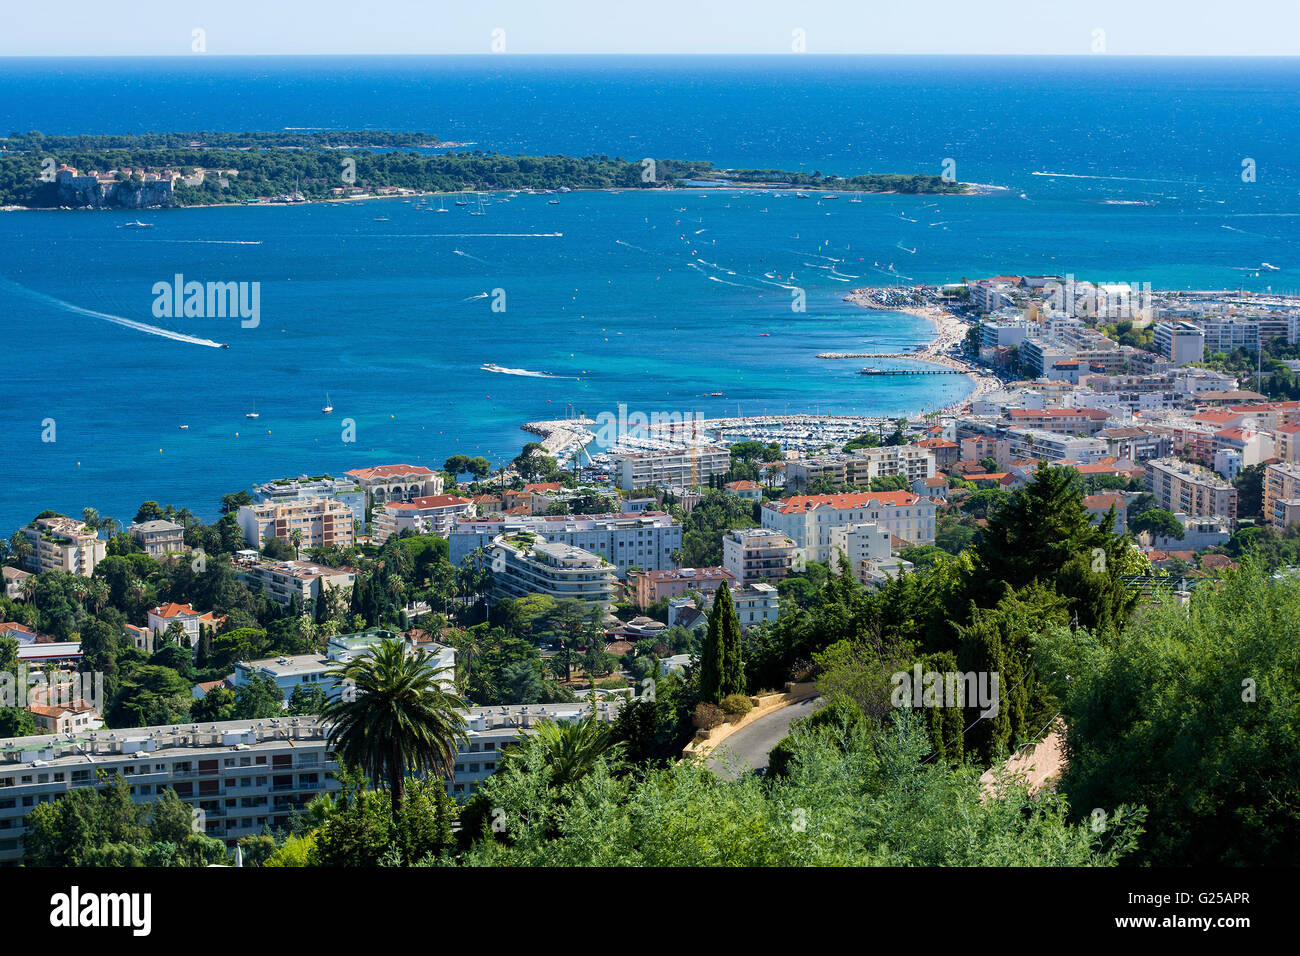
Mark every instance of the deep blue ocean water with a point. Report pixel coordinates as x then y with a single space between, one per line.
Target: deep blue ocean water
655 300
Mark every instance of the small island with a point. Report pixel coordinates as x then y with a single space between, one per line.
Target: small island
161 170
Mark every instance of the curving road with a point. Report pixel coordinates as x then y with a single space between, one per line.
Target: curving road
747 748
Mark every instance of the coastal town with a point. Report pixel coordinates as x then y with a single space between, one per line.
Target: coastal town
557 588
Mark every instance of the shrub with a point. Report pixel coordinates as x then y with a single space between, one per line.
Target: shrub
736 705
708 716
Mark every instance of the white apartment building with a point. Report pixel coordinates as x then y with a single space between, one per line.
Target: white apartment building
435 514
63 544
860 542
756 604
282 581
525 563
244 775
758 554
646 540
1190 489
159 538
810 519
397 482
1182 342
323 522
493 730
687 466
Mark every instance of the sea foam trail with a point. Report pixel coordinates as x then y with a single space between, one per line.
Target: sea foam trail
115 319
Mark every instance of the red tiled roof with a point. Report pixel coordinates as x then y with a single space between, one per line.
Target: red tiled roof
743 485
389 471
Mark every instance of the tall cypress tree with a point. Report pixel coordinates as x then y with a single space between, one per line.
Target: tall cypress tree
732 672
711 658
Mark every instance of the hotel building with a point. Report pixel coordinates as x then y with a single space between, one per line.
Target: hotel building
397 482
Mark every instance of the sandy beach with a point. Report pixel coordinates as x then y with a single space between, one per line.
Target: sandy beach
944 349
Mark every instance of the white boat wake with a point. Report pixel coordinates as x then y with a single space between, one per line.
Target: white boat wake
489 367
117 319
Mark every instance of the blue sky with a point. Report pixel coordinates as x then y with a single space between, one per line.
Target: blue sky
235 27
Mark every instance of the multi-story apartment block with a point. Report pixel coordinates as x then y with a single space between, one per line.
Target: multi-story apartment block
946 453
755 604
346 490
491 731
63 544
758 554
243 775
1286 442
1225 335
397 482
1136 443
1181 342
435 514
860 542
687 466
809 519
282 581
910 461
323 522
1062 421
1190 489
159 538
1282 494
1036 443
671 583
525 563
647 540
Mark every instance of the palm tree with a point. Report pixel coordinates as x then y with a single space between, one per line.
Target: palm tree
572 747
90 518
20 547
400 720
295 537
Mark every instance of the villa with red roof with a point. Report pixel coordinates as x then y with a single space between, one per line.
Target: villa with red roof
749 490
809 519
190 620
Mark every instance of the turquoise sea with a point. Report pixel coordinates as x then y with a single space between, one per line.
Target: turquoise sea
652 299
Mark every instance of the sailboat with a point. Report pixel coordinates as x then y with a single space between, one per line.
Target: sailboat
479 210
329 406
442 206
462 202
253 413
